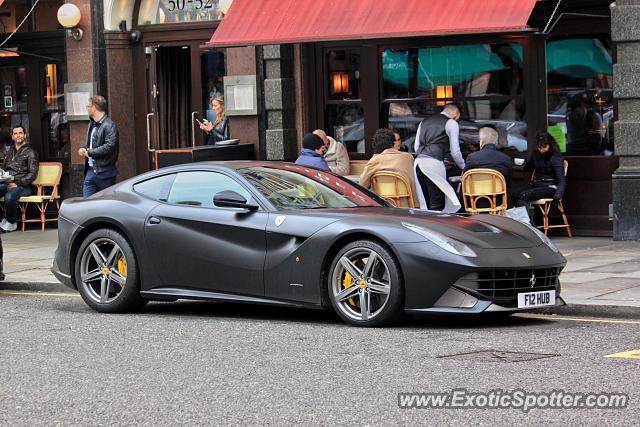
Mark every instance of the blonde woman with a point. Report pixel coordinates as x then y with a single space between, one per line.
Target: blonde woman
218 130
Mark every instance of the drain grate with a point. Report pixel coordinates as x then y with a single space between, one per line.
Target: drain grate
498 356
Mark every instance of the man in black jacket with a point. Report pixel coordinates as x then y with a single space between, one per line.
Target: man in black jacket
489 157
21 162
101 152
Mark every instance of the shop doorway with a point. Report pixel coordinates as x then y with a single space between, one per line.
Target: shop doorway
171 104
182 80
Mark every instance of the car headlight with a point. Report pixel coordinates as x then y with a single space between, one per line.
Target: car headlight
444 242
546 240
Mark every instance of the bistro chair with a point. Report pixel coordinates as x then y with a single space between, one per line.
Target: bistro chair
545 208
484 191
46 184
356 167
394 188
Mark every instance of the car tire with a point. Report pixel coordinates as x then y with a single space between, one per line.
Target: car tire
354 283
106 273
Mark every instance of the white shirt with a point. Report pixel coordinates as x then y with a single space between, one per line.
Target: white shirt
89 159
453 132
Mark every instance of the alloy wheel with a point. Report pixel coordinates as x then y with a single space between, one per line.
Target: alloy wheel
361 284
103 270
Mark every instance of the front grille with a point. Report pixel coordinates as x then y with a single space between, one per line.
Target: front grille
503 286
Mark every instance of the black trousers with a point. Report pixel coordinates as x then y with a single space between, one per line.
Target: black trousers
523 197
434 197
1 261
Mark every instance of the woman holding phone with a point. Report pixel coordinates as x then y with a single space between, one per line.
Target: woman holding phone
218 130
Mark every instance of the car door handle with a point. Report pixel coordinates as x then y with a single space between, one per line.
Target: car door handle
153 220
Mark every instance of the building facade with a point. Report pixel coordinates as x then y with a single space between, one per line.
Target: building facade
153 61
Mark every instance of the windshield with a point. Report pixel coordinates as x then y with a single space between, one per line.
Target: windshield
297 187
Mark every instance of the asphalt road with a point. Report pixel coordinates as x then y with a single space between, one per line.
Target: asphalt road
223 364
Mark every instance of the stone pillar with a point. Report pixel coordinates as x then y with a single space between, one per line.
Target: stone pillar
625 23
280 103
119 60
80 69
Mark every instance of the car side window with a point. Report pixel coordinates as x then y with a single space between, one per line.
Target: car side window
198 188
156 188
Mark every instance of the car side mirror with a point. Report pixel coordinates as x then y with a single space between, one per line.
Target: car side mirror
231 199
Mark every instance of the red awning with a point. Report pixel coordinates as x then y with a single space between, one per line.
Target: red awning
251 22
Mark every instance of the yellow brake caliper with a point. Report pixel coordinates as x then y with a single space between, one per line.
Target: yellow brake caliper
347 282
122 268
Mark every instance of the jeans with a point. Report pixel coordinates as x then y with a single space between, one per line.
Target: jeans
11 200
92 183
1 261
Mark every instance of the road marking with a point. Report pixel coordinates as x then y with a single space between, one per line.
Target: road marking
40 294
577 319
633 354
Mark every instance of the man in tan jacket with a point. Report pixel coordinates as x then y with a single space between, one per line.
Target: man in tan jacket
388 158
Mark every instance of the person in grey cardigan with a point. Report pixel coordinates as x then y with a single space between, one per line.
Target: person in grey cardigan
336 156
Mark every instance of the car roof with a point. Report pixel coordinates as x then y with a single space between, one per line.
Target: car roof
228 164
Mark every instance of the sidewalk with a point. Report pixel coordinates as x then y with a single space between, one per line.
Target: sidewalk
602 277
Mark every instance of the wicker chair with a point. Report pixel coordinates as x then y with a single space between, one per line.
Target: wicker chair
394 188
484 187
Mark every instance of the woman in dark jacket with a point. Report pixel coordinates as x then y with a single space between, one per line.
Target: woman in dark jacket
549 180
218 130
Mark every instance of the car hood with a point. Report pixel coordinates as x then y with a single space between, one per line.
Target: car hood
482 231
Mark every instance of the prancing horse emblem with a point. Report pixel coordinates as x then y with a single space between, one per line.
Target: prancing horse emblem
280 219
532 281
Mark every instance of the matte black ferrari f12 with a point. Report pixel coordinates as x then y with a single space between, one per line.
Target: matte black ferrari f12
283 234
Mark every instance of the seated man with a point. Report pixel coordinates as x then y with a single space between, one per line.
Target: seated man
22 163
313 149
388 158
489 157
336 156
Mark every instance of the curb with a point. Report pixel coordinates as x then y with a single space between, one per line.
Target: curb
35 287
588 310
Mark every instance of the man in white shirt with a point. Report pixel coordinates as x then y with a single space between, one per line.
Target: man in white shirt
436 138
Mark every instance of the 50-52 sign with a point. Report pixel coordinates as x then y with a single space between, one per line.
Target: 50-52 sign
196 4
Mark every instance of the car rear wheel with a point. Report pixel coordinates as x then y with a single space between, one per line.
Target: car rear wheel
365 284
106 273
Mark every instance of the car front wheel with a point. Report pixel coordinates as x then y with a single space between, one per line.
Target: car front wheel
365 284
106 273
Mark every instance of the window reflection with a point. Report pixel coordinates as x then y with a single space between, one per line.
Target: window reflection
452 71
579 95
507 116
484 80
54 119
344 115
343 74
13 103
347 125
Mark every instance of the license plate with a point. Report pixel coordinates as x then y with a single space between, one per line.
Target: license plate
536 299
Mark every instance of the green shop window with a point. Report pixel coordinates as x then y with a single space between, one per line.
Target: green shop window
484 80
